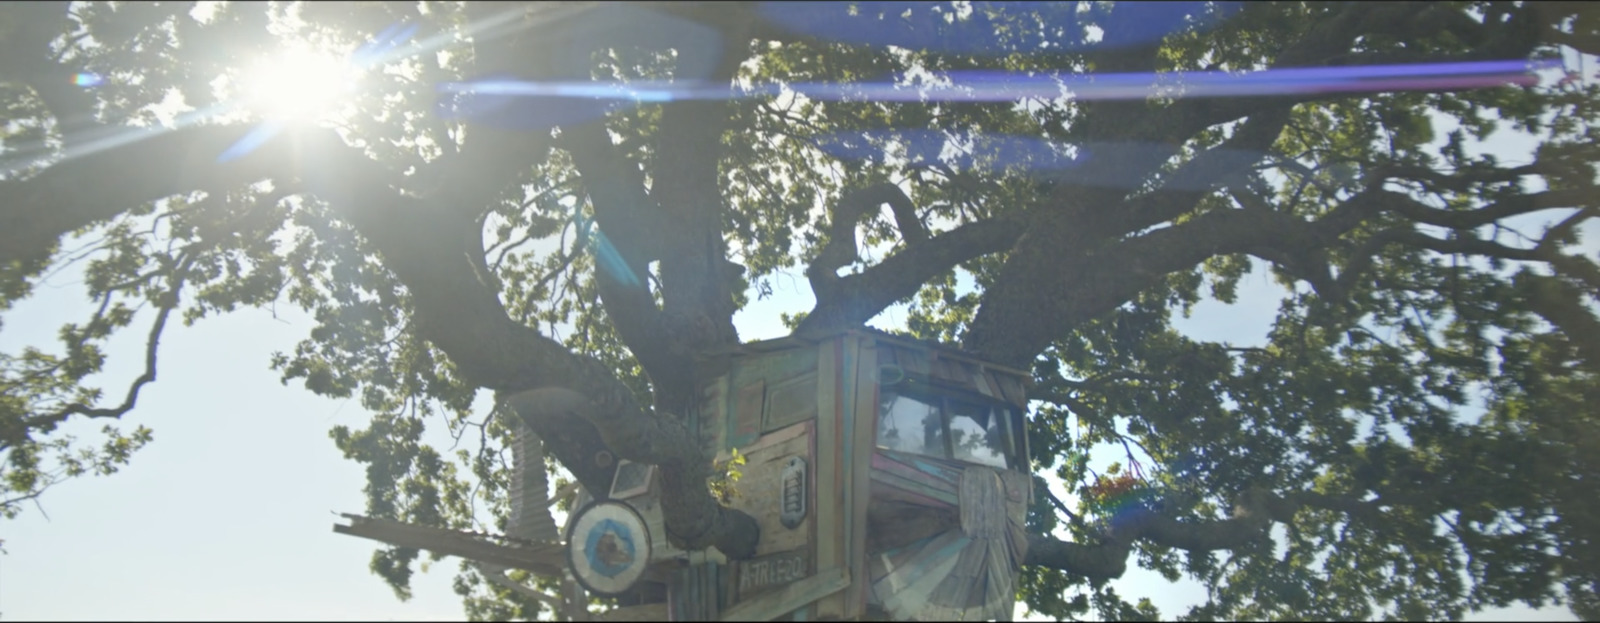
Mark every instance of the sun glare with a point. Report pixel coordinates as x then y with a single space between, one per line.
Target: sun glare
300 84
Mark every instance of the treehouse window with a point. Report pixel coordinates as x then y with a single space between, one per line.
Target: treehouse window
977 434
944 427
911 424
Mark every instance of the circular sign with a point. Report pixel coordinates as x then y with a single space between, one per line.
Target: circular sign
608 547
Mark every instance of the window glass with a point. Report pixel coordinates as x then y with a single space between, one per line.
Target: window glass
977 434
909 424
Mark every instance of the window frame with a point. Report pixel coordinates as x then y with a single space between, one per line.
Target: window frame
940 397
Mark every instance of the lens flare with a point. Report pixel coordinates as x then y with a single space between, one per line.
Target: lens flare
993 27
506 102
299 84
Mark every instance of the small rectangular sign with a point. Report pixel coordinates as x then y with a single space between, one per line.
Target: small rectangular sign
769 571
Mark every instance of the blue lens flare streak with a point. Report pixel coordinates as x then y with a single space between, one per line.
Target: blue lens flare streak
982 86
991 26
610 260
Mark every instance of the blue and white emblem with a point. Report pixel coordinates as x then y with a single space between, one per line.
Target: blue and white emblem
608 547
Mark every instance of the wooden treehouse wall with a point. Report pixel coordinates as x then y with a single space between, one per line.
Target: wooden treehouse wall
818 402
883 533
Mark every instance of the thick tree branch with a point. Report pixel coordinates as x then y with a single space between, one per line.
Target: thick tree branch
678 222
633 228
1063 250
425 246
842 249
1255 512
1504 208
851 301
1104 278
141 165
698 283
1183 188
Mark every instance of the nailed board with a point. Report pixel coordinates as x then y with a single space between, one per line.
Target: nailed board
544 559
956 372
745 424
769 572
696 592
791 402
936 478
828 488
608 547
865 426
760 488
779 366
791 598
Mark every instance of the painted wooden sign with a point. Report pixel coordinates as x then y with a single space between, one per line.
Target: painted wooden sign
608 547
768 571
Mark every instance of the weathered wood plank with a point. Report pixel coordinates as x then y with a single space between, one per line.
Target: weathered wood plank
888 492
925 562
979 381
904 343
836 605
961 374
549 560
791 401
1012 387
943 470
793 597
745 423
761 489
824 487
777 437
1019 493
991 379
948 470
908 470
647 612
866 418
914 360
887 354
889 479
906 591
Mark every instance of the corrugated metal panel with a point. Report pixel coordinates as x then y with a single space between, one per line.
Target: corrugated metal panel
530 492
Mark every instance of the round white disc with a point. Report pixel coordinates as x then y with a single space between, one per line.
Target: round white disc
608 547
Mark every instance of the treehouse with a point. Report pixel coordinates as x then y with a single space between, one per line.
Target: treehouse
888 477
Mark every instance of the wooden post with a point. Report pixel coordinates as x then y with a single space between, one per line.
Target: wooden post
863 434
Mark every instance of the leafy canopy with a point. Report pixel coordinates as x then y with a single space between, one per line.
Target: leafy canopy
1415 436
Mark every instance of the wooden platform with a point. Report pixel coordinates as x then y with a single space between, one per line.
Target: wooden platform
546 558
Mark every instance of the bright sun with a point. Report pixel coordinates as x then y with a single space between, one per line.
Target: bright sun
299 84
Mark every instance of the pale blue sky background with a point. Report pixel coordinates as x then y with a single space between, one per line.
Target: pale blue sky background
228 513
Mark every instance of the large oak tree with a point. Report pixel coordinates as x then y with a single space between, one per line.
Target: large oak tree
616 180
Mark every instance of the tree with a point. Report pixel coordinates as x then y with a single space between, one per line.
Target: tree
1419 427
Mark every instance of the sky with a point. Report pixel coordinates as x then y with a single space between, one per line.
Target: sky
228 513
